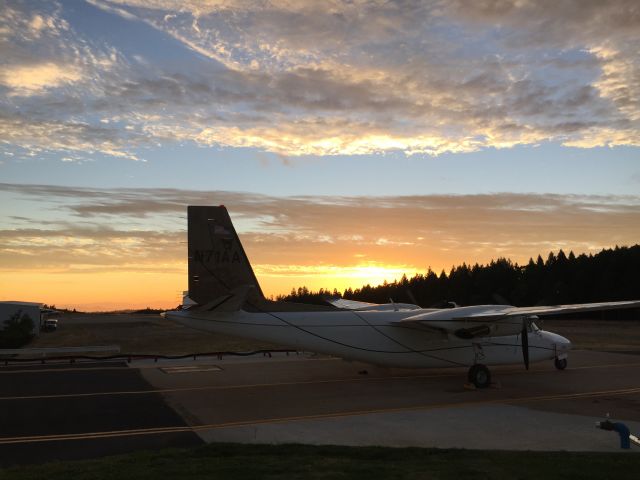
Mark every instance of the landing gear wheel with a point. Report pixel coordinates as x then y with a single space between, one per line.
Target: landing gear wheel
560 363
480 376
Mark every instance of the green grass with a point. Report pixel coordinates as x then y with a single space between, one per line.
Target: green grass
251 462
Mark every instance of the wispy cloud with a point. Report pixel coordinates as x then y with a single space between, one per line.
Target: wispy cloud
328 78
89 228
75 249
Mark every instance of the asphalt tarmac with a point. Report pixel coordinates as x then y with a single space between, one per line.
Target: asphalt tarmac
88 410
47 412
329 401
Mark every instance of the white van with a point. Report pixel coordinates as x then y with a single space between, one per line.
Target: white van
50 325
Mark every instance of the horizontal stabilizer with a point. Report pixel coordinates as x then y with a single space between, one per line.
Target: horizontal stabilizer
370 307
231 302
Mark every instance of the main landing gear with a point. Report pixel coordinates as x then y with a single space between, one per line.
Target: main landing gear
479 375
560 363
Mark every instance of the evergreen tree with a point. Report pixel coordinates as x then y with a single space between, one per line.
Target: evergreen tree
610 275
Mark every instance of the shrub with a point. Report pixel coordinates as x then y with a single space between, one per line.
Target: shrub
18 331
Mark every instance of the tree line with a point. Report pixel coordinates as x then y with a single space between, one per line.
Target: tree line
610 275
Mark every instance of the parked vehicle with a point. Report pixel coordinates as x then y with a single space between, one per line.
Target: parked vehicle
50 325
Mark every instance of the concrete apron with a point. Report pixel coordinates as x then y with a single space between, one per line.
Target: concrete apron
493 427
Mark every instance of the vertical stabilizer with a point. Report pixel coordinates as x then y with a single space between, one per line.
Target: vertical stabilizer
217 261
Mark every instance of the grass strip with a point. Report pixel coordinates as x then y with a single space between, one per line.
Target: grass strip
234 461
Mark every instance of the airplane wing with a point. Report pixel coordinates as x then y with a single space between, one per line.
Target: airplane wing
366 306
497 320
574 308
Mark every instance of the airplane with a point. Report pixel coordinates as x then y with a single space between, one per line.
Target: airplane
224 296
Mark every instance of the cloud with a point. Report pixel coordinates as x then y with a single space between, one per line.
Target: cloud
112 9
85 139
607 31
79 249
561 24
333 78
620 80
116 229
48 74
18 23
30 79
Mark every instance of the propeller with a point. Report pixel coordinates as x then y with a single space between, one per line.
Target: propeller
499 299
411 297
524 337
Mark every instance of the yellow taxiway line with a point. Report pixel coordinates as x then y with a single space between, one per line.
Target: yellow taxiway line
282 384
215 426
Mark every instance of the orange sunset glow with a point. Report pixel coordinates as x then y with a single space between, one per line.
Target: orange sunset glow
104 291
352 142
314 243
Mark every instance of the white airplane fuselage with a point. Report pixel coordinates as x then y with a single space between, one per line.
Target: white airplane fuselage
371 337
224 296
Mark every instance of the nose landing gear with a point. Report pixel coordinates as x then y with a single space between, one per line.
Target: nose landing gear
479 375
560 363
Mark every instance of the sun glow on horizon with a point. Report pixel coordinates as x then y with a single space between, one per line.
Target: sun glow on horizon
118 290
280 279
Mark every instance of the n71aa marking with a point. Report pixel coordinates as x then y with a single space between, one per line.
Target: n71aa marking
216 256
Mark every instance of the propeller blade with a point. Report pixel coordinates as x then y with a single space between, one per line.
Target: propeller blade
411 297
524 336
499 299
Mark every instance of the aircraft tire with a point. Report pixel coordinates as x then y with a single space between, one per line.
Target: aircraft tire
480 376
560 363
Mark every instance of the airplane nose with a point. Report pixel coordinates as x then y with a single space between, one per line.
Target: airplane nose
562 344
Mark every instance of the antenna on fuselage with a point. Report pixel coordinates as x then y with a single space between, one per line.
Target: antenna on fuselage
395 307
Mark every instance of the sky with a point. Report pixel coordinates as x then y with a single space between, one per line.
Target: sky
352 142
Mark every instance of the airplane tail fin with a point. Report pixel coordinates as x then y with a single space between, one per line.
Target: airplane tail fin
218 265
